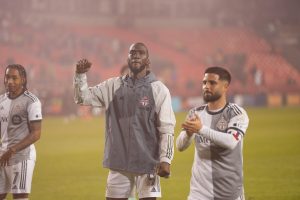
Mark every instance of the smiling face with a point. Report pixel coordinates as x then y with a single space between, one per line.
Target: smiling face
13 82
138 58
213 87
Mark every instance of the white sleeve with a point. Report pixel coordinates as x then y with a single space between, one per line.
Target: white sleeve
236 130
85 95
183 141
166 148
166 120
35 111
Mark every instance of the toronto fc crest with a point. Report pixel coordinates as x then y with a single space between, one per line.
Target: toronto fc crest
144 101
222 124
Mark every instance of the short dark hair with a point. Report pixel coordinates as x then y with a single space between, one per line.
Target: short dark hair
222 72
21 71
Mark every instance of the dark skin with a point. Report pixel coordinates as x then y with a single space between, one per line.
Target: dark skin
138 62
14 86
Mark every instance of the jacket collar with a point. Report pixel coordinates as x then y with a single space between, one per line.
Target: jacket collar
149 78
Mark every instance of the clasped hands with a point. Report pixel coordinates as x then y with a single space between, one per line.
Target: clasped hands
192 125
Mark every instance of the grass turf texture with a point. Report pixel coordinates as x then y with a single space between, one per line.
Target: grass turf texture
69 162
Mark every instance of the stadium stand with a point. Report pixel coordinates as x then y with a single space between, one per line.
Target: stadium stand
49 48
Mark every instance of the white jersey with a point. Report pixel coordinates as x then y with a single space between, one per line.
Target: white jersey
217 171
15 115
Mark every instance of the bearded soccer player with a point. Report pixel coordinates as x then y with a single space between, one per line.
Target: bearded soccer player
217 129
20 115
139 126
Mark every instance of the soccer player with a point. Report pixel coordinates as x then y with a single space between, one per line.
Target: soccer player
217 129
20 115
139 126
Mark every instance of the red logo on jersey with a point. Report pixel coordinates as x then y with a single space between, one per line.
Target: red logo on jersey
144 101
236 136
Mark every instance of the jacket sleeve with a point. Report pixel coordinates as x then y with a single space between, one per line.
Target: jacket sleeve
98 96
166 121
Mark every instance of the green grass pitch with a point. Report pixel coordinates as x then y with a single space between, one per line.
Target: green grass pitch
69 161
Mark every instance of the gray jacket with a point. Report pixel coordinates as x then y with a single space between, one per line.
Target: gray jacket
139 121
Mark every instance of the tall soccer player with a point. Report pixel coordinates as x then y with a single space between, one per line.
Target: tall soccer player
217 129
139 126
20 115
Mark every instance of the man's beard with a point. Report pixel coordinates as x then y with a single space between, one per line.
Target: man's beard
211 98
135 70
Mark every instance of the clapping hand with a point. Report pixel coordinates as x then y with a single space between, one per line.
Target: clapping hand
192 125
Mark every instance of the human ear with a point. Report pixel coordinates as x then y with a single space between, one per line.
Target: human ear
226 84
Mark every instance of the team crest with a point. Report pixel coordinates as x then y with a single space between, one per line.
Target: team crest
144 101
222 124
16 119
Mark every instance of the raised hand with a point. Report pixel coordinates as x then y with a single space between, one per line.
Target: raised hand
83 66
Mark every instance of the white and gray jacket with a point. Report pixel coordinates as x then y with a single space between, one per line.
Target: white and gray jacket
139 120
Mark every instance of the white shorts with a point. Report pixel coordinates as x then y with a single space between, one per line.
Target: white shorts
124 185
16 179
195 197
242 196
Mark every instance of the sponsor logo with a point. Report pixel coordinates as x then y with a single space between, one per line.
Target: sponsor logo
200 139
3 119
16 119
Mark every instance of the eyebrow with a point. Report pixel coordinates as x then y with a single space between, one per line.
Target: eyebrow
11 75
135 50
210 81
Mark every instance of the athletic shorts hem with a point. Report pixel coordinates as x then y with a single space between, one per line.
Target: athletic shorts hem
158 195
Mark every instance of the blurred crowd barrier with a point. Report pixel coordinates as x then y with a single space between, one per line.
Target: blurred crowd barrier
49 37
263 100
